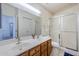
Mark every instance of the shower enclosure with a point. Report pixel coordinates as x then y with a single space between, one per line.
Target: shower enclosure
64 30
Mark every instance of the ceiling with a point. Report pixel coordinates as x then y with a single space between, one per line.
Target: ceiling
54 7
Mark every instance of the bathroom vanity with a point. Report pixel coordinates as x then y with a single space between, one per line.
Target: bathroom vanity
28 47
43 49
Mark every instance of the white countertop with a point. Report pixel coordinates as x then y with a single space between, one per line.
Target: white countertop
16 49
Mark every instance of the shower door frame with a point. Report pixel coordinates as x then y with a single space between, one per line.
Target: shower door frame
76 30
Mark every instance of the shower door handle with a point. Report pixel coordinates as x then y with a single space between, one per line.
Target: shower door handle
59 36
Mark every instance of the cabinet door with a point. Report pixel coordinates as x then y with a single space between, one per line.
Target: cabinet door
43 46
69 31
49 50
37 54
44 49
35 51
32 52
44 53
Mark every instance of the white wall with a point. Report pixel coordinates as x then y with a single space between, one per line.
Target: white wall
8 10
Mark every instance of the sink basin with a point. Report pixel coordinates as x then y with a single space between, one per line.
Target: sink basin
17 47
28 43
25 44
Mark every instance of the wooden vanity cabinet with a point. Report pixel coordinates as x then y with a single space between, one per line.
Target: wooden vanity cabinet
35 51
25 54
37 54
49 46
44 53
43 49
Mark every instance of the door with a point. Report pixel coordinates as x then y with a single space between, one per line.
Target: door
69 31
55 29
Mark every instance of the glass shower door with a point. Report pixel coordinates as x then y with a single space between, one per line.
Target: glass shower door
69 31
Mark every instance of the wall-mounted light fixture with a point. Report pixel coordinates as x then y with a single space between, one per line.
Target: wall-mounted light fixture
26 7
29 7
